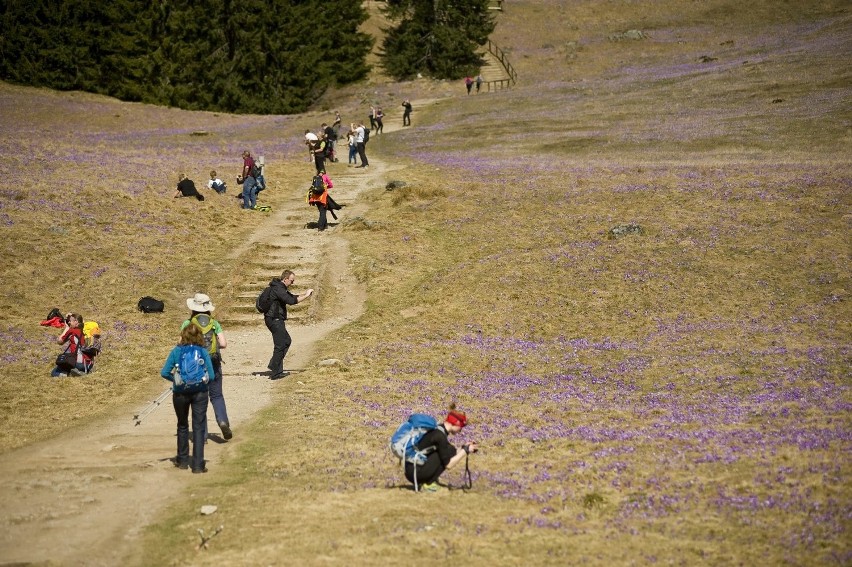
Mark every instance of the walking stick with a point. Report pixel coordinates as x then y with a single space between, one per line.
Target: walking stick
152 406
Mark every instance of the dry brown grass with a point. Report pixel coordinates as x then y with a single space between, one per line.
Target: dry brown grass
676 397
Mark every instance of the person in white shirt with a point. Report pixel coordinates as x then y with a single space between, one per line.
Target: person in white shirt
215 183
359 141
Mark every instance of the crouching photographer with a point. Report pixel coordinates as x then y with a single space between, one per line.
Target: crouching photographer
441 454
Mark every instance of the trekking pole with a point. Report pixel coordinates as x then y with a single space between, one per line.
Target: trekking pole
152 406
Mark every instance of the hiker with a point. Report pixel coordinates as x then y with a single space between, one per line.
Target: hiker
71 358
372 117
318 196
189 395
468 83
380 116
330 142
186 188
442 454
275 317
361 143
406 113
216 184
200 309
478 83
337 122
310 140
318 147
249 181
353 146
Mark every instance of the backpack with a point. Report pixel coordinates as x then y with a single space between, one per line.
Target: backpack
150 305
317 185
256 171
191 372
205 322
404 440
366 135
263 303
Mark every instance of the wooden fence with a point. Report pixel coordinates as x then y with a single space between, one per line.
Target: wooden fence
501 84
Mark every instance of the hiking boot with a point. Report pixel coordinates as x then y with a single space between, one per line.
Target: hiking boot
279 376
179 464
431 487
75 372
226 430
199 471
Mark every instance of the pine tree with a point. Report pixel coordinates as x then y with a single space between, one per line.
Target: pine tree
438 38
258 56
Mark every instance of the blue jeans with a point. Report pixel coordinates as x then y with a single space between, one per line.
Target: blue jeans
281 340
217 399
57 372
353 151
182 403
249 193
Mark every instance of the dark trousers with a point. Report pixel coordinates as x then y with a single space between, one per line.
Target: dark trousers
319 161
406 119
217 398
362 153
428 472
182 403
281 340
322 223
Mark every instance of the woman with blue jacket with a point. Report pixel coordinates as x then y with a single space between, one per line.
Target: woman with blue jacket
186 395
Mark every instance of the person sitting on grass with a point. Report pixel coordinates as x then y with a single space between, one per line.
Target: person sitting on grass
443 454
72 357
186 188
216 184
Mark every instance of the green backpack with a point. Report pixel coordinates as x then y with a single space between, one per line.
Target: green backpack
205 322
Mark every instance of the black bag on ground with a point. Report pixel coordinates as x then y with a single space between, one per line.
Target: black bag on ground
150 305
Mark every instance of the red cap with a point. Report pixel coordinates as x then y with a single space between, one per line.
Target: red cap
457 418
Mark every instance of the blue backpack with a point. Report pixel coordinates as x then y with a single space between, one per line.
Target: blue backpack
404 440
191 372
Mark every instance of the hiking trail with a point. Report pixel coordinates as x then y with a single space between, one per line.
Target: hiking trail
86 496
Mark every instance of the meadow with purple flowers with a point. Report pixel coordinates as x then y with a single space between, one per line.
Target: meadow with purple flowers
677 395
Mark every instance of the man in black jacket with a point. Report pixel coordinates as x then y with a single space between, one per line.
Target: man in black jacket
275 318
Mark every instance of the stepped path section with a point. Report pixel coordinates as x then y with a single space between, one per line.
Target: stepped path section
493 70
84 497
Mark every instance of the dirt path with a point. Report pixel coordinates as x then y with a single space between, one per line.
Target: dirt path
84 497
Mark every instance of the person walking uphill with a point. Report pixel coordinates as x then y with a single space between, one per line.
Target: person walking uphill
441 454
190 370
275 317
200 308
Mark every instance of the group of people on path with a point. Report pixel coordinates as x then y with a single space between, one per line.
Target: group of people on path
201 340
470 81
199 350
202 336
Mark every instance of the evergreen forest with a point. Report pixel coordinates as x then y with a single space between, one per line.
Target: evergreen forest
251 56
435 38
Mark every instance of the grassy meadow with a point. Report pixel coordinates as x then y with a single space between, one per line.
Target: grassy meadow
675 396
